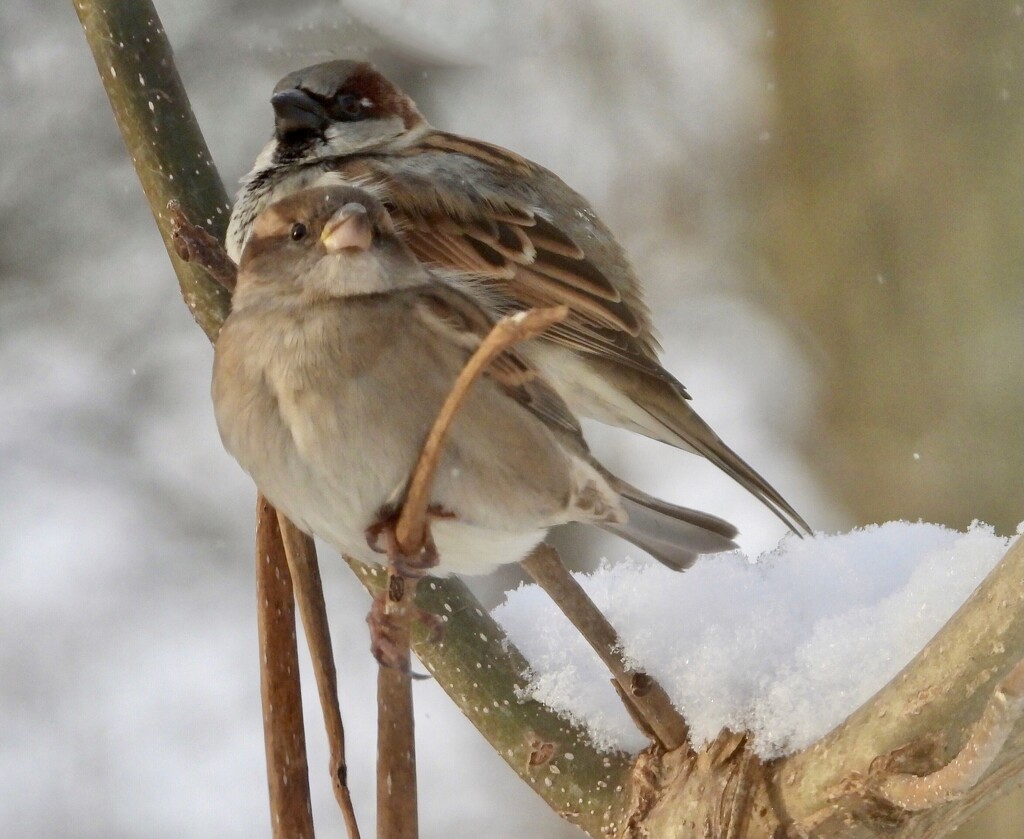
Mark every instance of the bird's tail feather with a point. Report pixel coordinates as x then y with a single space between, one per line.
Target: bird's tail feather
675 536
668 407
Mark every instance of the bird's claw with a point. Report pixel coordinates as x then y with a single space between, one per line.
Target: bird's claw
383 641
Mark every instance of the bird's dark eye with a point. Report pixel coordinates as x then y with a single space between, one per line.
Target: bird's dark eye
299 231
349 108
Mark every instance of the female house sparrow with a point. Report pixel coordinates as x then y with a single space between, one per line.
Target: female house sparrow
505 230
337 355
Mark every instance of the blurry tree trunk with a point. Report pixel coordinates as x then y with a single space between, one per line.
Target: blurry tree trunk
894 222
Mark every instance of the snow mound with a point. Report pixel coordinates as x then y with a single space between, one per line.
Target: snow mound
784 646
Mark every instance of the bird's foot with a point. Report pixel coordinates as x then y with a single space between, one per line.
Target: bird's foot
380 536
393 608
387 631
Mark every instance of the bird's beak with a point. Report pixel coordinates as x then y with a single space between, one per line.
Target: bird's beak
295 111
348 229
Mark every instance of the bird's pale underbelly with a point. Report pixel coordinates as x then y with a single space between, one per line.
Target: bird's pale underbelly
341 506
335 451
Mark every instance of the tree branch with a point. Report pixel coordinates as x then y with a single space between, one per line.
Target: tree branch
136 65
644 698
943 690
396 748
962 773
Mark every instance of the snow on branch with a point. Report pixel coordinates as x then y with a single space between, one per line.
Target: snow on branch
788 645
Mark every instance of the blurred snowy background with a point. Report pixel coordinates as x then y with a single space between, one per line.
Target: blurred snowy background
129 701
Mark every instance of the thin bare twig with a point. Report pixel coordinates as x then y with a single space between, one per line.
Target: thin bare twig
411 528
986 741
644 697
283 733
396 748
309 594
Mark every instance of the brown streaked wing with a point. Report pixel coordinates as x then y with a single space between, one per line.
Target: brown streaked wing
611 344
452 254
535 289
500 241
578 273
546 236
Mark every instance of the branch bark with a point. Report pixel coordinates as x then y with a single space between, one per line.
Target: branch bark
136 65
962 773
643 697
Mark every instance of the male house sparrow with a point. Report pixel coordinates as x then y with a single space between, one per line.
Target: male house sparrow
337 355
505 230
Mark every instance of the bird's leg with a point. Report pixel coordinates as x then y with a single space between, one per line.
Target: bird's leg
387 631
381 537
388 635
411 567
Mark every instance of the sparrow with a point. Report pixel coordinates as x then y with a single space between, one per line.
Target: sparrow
332 366
503 229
